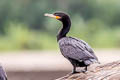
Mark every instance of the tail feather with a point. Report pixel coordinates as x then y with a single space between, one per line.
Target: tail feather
91 61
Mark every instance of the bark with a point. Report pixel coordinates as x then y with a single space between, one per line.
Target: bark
109 71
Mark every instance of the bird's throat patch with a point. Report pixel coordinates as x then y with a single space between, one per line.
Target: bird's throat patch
58 17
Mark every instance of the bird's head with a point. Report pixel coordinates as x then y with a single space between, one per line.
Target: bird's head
59 16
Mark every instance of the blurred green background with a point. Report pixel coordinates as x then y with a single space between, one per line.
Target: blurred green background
24 27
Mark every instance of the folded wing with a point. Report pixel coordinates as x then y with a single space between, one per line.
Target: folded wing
77 49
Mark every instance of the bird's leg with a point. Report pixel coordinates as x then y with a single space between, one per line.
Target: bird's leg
74 70
85 68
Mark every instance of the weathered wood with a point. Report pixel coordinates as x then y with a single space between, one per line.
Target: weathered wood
109 71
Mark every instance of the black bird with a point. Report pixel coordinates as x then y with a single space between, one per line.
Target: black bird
3 75
78 52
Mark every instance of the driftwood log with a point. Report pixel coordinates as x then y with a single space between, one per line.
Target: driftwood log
109 71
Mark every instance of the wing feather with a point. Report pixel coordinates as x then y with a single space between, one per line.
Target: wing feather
77 49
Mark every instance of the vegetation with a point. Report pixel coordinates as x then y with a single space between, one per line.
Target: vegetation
23 25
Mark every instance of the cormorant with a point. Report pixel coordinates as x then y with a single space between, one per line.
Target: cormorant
78 52
3 75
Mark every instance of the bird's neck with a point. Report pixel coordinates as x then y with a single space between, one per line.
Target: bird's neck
64 30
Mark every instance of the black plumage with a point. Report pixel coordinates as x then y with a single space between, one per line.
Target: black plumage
78 52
